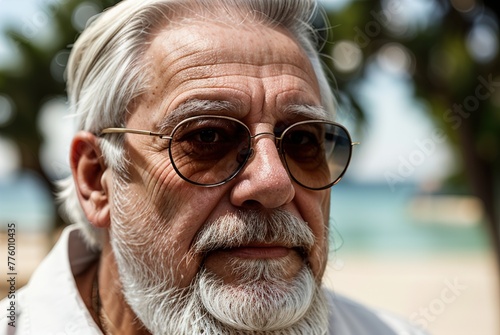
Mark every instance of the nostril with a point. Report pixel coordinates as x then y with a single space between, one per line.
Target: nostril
251 204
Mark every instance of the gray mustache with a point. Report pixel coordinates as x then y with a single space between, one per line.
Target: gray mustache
244 227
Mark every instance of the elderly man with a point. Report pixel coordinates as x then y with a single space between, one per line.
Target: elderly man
201 177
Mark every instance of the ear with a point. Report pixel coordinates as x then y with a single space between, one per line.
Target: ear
92 178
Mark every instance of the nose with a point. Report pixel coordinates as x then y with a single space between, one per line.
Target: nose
264 181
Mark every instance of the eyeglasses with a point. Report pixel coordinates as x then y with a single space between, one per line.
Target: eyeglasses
211 150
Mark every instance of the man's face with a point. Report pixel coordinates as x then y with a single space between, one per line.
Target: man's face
258 73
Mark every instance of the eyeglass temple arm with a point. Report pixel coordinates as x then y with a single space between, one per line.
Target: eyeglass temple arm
132 131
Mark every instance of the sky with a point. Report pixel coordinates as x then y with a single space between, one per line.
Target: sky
397 146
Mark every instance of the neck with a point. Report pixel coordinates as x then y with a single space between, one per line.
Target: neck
115 315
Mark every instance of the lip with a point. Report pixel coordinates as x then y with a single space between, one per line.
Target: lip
259 251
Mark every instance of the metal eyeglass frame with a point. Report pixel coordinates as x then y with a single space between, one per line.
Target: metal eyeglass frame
250 153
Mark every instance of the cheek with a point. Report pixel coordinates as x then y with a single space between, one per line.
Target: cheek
315 210
161 220
185 220
154 182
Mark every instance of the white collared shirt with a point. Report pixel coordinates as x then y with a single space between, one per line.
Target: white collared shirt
50 303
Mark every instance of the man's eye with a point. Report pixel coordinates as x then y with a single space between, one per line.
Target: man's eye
203 135
302 146
301 138
208 136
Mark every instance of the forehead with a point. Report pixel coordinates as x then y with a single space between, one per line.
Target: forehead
251 66
213 43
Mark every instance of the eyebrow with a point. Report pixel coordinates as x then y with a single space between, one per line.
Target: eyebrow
309 112
192 108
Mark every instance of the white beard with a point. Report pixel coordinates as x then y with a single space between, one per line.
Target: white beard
260 302
261 307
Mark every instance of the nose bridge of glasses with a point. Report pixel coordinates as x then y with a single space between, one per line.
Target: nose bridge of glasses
268 134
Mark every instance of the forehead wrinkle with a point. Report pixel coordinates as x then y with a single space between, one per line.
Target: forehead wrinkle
242 90
189 76
271 70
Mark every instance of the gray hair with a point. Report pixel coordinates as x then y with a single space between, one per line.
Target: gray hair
106 71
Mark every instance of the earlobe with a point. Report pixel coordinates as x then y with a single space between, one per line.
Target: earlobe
91 177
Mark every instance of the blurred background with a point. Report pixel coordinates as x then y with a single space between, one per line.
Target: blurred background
414 223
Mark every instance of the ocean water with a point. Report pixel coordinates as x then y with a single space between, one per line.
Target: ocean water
364 218
373 218
25 201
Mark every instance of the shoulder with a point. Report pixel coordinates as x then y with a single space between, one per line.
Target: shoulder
348 317
50 303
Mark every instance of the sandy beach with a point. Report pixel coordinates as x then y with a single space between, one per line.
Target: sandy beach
447 294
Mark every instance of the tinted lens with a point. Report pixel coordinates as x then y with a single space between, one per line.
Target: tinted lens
209 150
316 153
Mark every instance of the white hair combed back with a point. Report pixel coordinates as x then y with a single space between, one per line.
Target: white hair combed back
106 71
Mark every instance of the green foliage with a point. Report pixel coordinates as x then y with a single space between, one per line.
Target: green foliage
39 77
